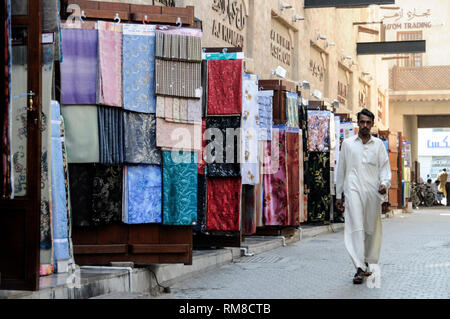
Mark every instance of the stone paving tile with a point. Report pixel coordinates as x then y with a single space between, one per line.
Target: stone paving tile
415 263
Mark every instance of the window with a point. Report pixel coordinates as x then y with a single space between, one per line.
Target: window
414 60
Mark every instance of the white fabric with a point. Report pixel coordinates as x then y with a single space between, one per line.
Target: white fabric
362 169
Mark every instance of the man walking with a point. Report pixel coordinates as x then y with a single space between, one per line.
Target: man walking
442 178
447 189
364 176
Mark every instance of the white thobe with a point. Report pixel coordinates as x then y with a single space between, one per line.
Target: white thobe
362 169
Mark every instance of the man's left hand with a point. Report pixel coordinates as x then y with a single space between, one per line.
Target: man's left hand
382 190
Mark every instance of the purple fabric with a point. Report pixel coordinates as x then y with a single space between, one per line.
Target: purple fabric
79 66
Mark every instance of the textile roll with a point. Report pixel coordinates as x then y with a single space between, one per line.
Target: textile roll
140 139
82 133
178 136
139 68
142 194
201 204
179 188
265 105
223 152
178 79
276 205
224 203
319 131
319 199
224 87
111 135
58 188
110 64
249 140
79 66
293 176
249 208
292 109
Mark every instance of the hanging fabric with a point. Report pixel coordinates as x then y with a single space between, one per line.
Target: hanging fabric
276 206
142 194
81 180
222 152
204 87
58 189
201 204
51 24
139 68
249 138
249 207
179 110
177 78
178 136
225 87
319 198
79 67
179 43
111 135
140 139
82 133
319 131
201 153
265 105
179 188
291 109
303 211
293 142
107 193
260 187
224 204
109 90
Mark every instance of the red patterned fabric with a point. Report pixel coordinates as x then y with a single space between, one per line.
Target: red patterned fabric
293 171
201 160
224 87
6 189
224 201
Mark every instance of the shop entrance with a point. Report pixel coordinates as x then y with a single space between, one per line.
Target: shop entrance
20 201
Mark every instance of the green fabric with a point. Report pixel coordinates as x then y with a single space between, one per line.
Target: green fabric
179 188
82 140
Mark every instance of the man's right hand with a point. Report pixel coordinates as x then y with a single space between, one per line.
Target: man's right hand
339 204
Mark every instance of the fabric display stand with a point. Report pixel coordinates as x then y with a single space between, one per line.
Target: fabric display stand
280 204
405 162
395 196
224 193
132 133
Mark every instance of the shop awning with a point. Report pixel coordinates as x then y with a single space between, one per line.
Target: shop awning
344 3
392 47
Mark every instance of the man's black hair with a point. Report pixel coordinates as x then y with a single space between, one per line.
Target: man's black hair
429 181
444 169
366 112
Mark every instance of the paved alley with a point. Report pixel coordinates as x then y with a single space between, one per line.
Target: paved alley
415 263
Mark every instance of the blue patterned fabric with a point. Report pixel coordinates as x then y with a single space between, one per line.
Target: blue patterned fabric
142 194
59 209
139 68
180 188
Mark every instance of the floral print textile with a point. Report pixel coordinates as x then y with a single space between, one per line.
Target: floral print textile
319 131
319 198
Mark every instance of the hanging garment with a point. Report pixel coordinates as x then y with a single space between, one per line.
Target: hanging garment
178 136
178 79
142 194
179 188
276 205
139 68
260 187
140 139
79 67
347 130
109 90
46 244
319 199
222 152
293 176
249 205
319 131
249 139
292 109
303 211
111 135
224 203
225 87
200 226
362 169
6 111
82 133
265 104
107 190
58 188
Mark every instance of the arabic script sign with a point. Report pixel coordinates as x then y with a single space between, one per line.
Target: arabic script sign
407 19
232 18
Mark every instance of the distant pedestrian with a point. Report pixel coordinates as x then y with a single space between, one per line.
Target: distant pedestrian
447 188
364 176
442 178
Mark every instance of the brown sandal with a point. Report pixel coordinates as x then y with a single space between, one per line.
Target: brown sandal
358 279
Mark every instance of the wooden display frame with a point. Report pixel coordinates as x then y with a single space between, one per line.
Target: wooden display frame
141 244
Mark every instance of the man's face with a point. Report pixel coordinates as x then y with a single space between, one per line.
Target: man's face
365 124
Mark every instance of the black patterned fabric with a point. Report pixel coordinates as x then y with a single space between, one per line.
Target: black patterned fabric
201 204
319 198
214 167
81 177
204 87
111 135
140 139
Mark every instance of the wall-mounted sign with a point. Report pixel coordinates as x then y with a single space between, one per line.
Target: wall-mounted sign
232 20
280 47
363 95
434 142
342 95
168 3
408 19
317 69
